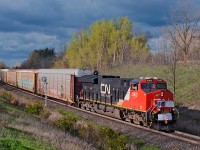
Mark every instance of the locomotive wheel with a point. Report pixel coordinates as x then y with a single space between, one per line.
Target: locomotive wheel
122 115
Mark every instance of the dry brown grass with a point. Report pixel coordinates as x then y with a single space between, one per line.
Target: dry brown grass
55 116
42 130
49 133
2 123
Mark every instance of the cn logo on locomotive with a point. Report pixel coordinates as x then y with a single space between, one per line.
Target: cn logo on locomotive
105 88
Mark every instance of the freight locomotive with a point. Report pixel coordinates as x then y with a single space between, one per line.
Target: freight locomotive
143 101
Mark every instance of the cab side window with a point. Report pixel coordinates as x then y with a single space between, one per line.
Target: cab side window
134 87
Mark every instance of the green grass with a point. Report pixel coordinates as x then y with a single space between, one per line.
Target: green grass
68 113
143 146
14 139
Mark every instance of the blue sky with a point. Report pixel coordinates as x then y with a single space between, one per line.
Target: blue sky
26 25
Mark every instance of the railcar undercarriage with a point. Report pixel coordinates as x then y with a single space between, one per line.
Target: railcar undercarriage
137 117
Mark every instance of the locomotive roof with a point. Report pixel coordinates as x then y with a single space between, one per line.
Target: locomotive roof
94 78
136 80
88 78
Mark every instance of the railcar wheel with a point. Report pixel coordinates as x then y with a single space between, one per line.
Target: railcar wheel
78 103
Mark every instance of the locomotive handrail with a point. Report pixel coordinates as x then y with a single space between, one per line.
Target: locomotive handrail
177 113
151 111
151 105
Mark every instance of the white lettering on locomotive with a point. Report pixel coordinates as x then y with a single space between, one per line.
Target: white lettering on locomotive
105 88
134 94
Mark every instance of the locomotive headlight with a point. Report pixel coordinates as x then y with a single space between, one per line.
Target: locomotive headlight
159 109
161 94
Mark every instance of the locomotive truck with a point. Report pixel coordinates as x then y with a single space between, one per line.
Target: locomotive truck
143 101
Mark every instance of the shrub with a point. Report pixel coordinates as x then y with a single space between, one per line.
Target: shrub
66 123
6 95
45 114
112 139
87 131
37 108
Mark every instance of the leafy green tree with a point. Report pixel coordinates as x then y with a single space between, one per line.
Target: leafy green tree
106 44
60 61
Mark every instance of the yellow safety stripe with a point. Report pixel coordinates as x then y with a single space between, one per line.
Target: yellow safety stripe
111 105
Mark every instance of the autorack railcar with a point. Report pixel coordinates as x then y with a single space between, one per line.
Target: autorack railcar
61 83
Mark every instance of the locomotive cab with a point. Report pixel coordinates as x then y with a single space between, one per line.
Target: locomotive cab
159 103
152 103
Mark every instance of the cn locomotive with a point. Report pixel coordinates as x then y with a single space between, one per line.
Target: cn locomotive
143 101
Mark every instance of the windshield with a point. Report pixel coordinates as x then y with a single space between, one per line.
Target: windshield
161 86
149 87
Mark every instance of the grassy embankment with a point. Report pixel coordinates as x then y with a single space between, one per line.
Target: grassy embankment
187 97
30 126
15 139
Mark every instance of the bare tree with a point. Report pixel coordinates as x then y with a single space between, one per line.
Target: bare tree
184 25
167 56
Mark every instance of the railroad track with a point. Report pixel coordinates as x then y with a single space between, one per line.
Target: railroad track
180 136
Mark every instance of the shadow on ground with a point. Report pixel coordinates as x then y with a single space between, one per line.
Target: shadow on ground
189 120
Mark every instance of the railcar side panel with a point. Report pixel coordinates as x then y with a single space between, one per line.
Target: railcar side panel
60 82
58 85
11 77
4 75
26 80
